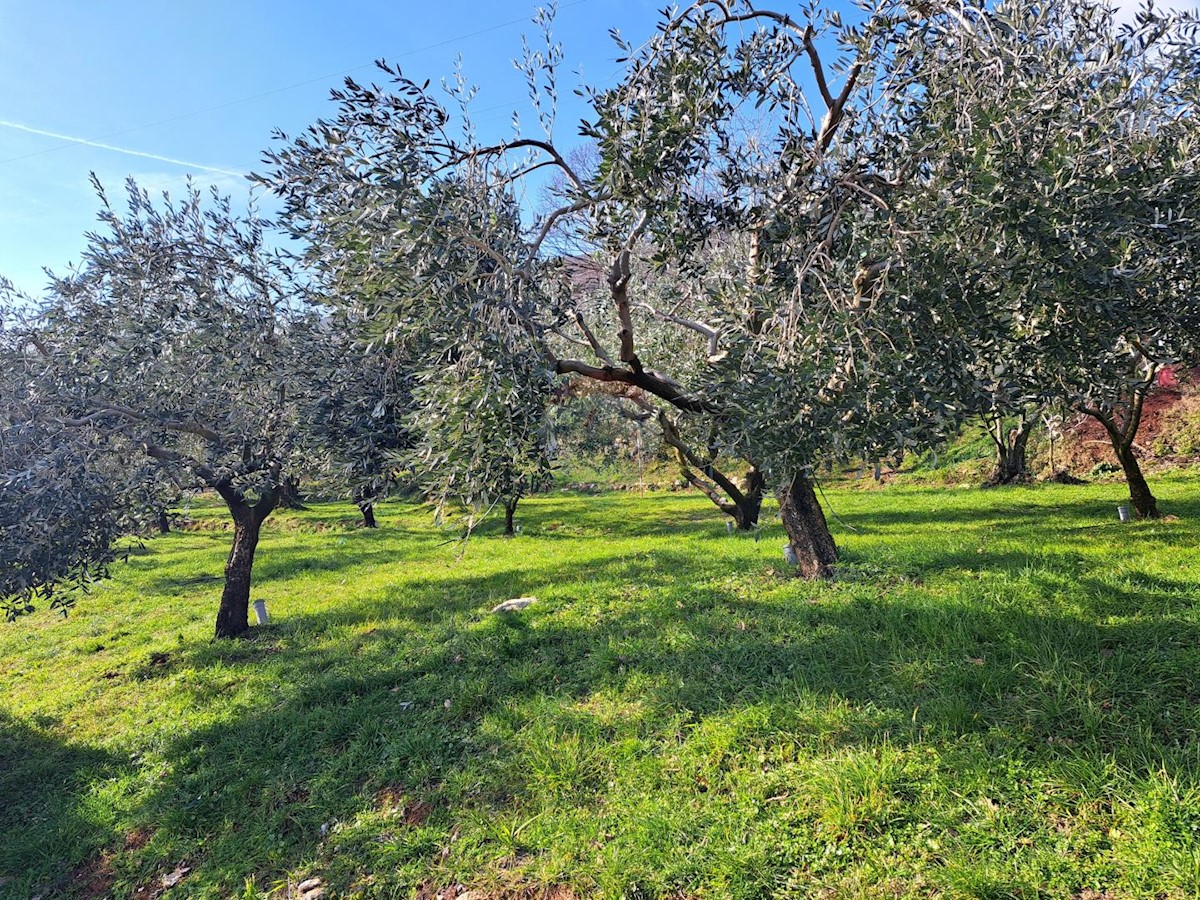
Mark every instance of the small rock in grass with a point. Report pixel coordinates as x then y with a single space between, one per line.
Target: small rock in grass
169 881
515 604
310 889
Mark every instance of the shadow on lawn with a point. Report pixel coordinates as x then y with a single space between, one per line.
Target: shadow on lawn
380 713
420 694
45 822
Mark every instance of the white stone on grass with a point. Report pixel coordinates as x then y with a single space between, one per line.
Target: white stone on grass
515 604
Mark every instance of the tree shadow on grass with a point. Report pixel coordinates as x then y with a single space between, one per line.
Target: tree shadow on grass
385 729
496 717
47 823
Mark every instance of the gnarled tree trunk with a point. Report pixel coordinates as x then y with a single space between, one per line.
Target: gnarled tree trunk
749 508
807 530
164 521
1011 465
289 494
368 513
510 510
234 612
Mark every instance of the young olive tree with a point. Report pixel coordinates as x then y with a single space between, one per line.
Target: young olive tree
358 426
175 341
484 433
1060 187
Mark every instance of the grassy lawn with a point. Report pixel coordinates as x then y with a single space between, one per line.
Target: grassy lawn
999 697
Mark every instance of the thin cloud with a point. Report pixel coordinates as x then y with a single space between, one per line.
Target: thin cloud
101 146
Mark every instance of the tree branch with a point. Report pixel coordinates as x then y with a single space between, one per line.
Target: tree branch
544 146
699 327
651 382
103 409
597 348
672 437
163 455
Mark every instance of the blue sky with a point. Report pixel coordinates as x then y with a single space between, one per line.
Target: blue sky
205 84
198 88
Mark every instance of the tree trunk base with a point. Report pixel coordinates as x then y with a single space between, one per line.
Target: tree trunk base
368 514
1145 505
1001 477
807 530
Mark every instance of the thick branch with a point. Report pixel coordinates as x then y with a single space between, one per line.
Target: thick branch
651 382
1136 402
1109 423
814 59
672 437
163 455
618 283
103 409
833 118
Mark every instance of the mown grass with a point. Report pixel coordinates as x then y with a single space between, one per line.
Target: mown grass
998 697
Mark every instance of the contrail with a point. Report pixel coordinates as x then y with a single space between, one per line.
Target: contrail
127 152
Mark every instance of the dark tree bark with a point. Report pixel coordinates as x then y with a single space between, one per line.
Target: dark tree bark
1144 503
164 522
234 612
750 507
1122 435
807 530
1011 451
368 513
289 494
510 510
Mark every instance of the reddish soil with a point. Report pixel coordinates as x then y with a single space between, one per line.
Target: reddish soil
1089 444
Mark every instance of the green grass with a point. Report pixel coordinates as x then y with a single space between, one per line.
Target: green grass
998 697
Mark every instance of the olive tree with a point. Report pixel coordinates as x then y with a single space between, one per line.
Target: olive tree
61 517
814 349
1060 189
175 341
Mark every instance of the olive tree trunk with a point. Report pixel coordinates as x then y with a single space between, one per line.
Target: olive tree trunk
368 513
234 612
1011 451
289 494
1122 436
748 507
1144 503
510 510
807 530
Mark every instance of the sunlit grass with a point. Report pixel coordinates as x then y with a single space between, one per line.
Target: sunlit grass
998 697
